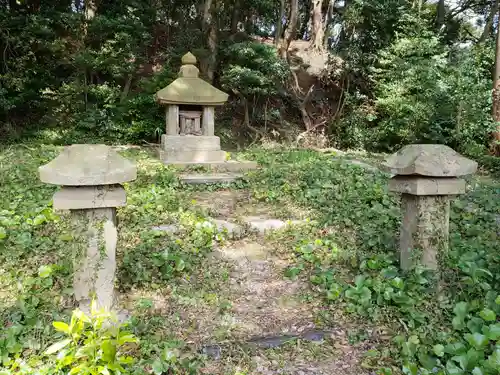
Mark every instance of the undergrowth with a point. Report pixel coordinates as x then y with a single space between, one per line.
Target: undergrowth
454 332
348 254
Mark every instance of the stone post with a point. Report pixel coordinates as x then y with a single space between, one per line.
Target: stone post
91 177
208 118
427 178
172 119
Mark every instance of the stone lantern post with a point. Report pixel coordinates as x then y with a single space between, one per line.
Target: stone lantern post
91 178
427 176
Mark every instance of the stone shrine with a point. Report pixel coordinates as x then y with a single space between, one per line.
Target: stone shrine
91 178
189 138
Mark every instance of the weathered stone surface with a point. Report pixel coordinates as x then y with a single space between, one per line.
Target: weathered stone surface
425 229
208 119
95 265
171 120
429 160
190 89
86 165
226 166
263 225
190 143
213 178
172 228
233 230
427 186
191 157
74 198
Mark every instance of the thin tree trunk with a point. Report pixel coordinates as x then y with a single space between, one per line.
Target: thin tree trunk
488 27
291 30
441 14
235 17
495 146
279 24
318 27
209 28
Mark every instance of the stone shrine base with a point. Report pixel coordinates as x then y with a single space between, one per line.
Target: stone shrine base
192 152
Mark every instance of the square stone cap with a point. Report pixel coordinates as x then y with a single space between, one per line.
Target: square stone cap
415 185
432 160
88 165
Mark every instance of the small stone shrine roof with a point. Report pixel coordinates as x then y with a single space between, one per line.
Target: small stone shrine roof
431 160
88 165
189 88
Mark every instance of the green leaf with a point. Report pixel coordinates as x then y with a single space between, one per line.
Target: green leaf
108 351
494 332
127 338
61 327
477 340
44 271
54 348
461 309
494 359
438 350
497 300
3 233
157 367
475 325
488 315
458 323
477 371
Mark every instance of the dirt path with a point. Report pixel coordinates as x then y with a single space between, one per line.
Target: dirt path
263 303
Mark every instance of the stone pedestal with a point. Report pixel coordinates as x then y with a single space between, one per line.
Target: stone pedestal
191 149
424 229
427 178
95 265
91 176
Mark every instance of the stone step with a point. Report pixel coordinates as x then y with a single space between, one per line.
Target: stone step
209 178
226 166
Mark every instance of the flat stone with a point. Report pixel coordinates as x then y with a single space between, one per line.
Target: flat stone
212 178
234 230
252 251
75 198
172 228
427 186
86 165
190 142
429 160
225 166
263 225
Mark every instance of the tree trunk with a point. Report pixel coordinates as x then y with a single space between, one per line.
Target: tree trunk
291 30
488 27
440 14
279 24
90 9
318 27
495 146
235 17
210 30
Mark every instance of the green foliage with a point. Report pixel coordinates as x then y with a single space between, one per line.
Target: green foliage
93 344
36 254
352 264
253 69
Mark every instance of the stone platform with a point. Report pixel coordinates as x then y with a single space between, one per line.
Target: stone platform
209 178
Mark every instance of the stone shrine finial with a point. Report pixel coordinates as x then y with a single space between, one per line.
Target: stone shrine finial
188 59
